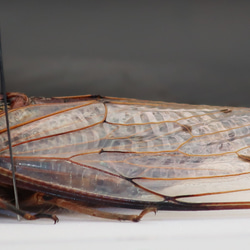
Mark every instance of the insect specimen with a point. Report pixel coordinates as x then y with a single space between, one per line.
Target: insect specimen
85 152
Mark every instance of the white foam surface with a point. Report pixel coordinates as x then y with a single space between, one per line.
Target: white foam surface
167 230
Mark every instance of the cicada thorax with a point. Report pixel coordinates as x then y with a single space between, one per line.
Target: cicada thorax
14 100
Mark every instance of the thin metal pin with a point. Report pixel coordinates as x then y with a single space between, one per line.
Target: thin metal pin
3 91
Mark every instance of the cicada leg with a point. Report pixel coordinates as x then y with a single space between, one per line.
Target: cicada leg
8 206
69 205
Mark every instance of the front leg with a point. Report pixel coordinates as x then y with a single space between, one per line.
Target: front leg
8 206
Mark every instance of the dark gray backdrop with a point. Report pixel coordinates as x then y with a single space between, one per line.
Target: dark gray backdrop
182 51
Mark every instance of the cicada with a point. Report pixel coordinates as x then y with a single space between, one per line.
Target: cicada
85 152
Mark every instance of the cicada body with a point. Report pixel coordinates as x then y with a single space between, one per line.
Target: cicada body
90 151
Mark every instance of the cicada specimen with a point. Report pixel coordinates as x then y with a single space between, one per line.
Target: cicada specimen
85 152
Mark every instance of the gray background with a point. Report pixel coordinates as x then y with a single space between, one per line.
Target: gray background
183 51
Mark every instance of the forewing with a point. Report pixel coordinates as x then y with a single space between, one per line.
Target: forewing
134 150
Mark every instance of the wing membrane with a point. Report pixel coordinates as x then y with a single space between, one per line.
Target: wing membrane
134 150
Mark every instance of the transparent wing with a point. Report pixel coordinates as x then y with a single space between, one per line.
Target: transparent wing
133 150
